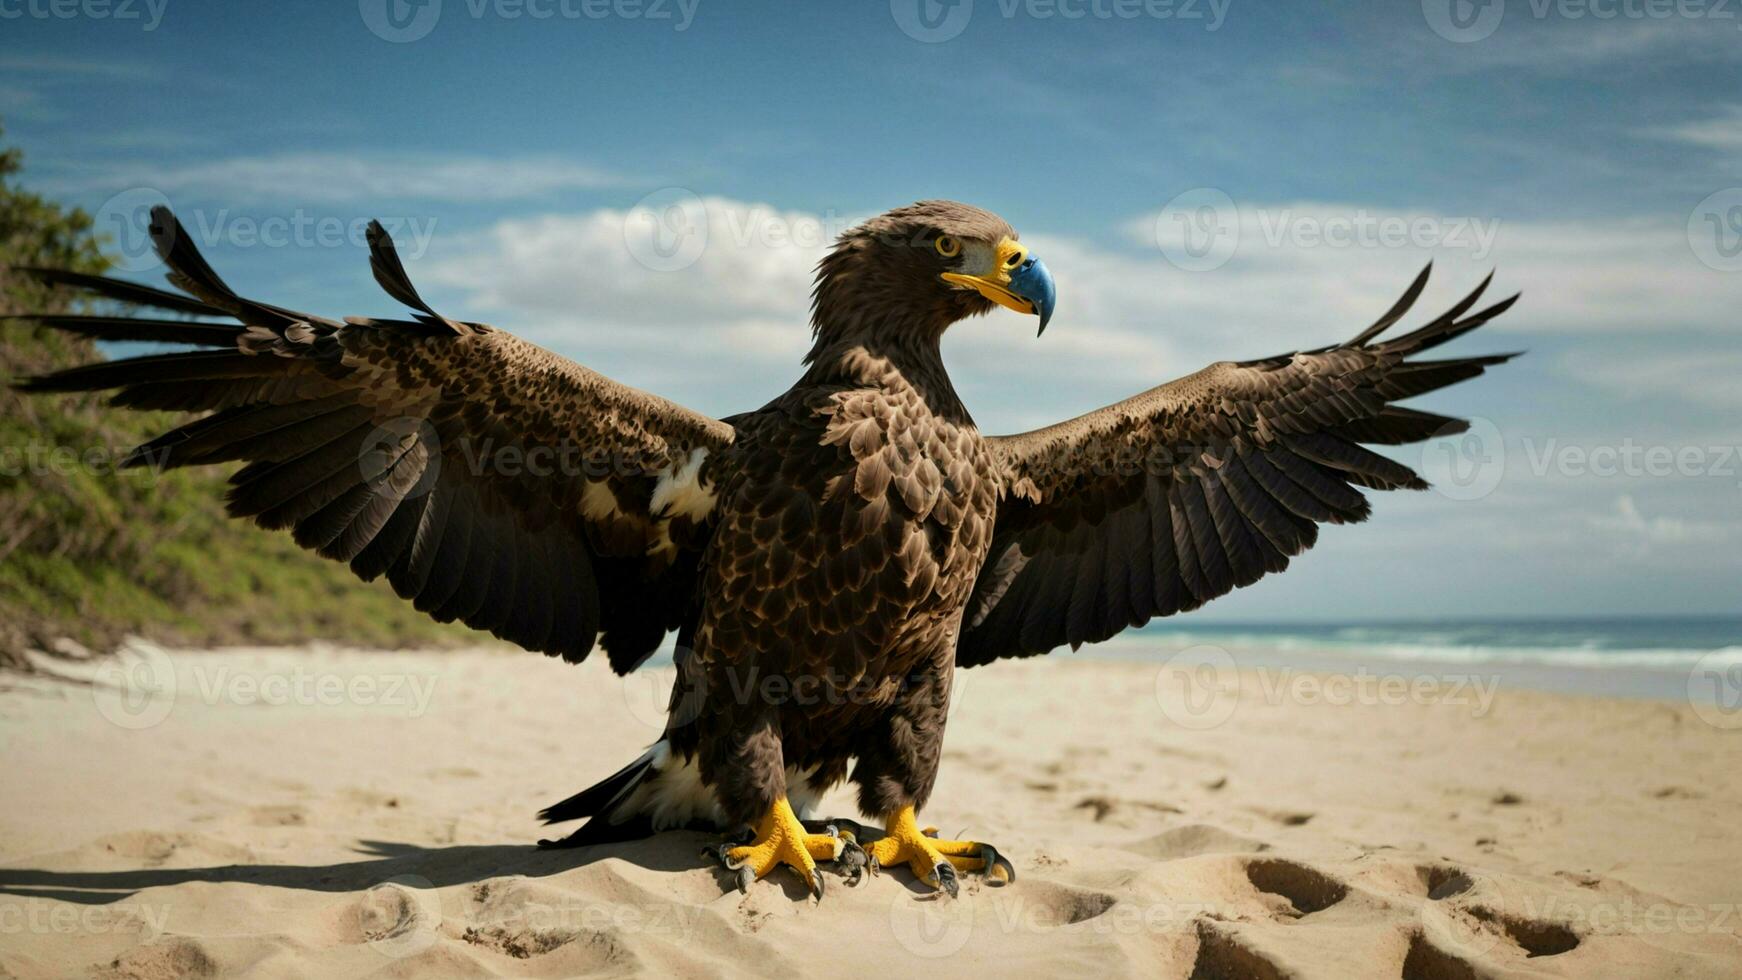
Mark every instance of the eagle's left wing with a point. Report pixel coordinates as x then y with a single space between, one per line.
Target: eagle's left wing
487 479
1176 496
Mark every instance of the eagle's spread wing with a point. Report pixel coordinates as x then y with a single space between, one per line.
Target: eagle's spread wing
1167 500
490 480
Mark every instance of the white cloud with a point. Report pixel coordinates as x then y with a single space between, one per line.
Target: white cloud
41 65
334 177
1577 276
1722 131
1128 318
1642 534
1549 38
1701 377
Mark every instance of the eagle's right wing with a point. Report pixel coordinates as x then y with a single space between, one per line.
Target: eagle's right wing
490 480
1176 496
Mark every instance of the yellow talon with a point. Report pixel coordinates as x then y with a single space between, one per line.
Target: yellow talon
934 861
781 839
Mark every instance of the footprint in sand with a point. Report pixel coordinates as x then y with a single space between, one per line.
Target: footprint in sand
285 815
1049 906
1223 956
1192 840
1425 961
1536 937
1441 881
166 959
1307 889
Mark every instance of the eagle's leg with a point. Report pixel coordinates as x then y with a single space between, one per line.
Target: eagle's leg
897 768
782 839
934 861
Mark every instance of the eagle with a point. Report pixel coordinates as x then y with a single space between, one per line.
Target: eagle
826 561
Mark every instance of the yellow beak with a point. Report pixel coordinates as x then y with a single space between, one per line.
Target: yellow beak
994 282
1009 276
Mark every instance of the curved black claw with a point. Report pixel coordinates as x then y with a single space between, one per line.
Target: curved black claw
997 869
945 873
854 861
744 874
816 883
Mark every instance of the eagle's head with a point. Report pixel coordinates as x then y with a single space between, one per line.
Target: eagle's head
923 267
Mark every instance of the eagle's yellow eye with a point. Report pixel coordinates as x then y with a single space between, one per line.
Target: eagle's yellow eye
947 247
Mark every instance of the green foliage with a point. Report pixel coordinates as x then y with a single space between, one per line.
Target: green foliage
93 554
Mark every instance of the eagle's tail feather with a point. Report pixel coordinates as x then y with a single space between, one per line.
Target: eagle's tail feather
589 801
651 794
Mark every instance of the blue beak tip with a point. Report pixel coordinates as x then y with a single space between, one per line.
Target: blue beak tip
1034 283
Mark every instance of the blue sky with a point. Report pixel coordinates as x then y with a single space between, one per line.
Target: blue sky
1206 180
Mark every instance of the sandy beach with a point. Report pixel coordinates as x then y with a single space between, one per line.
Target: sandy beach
319 812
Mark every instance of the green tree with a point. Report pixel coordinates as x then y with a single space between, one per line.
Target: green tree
91 554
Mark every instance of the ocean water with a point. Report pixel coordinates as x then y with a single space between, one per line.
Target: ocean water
1658 656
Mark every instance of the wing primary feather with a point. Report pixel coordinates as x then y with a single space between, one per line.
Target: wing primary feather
390 273
122 291
136 328
1397 311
